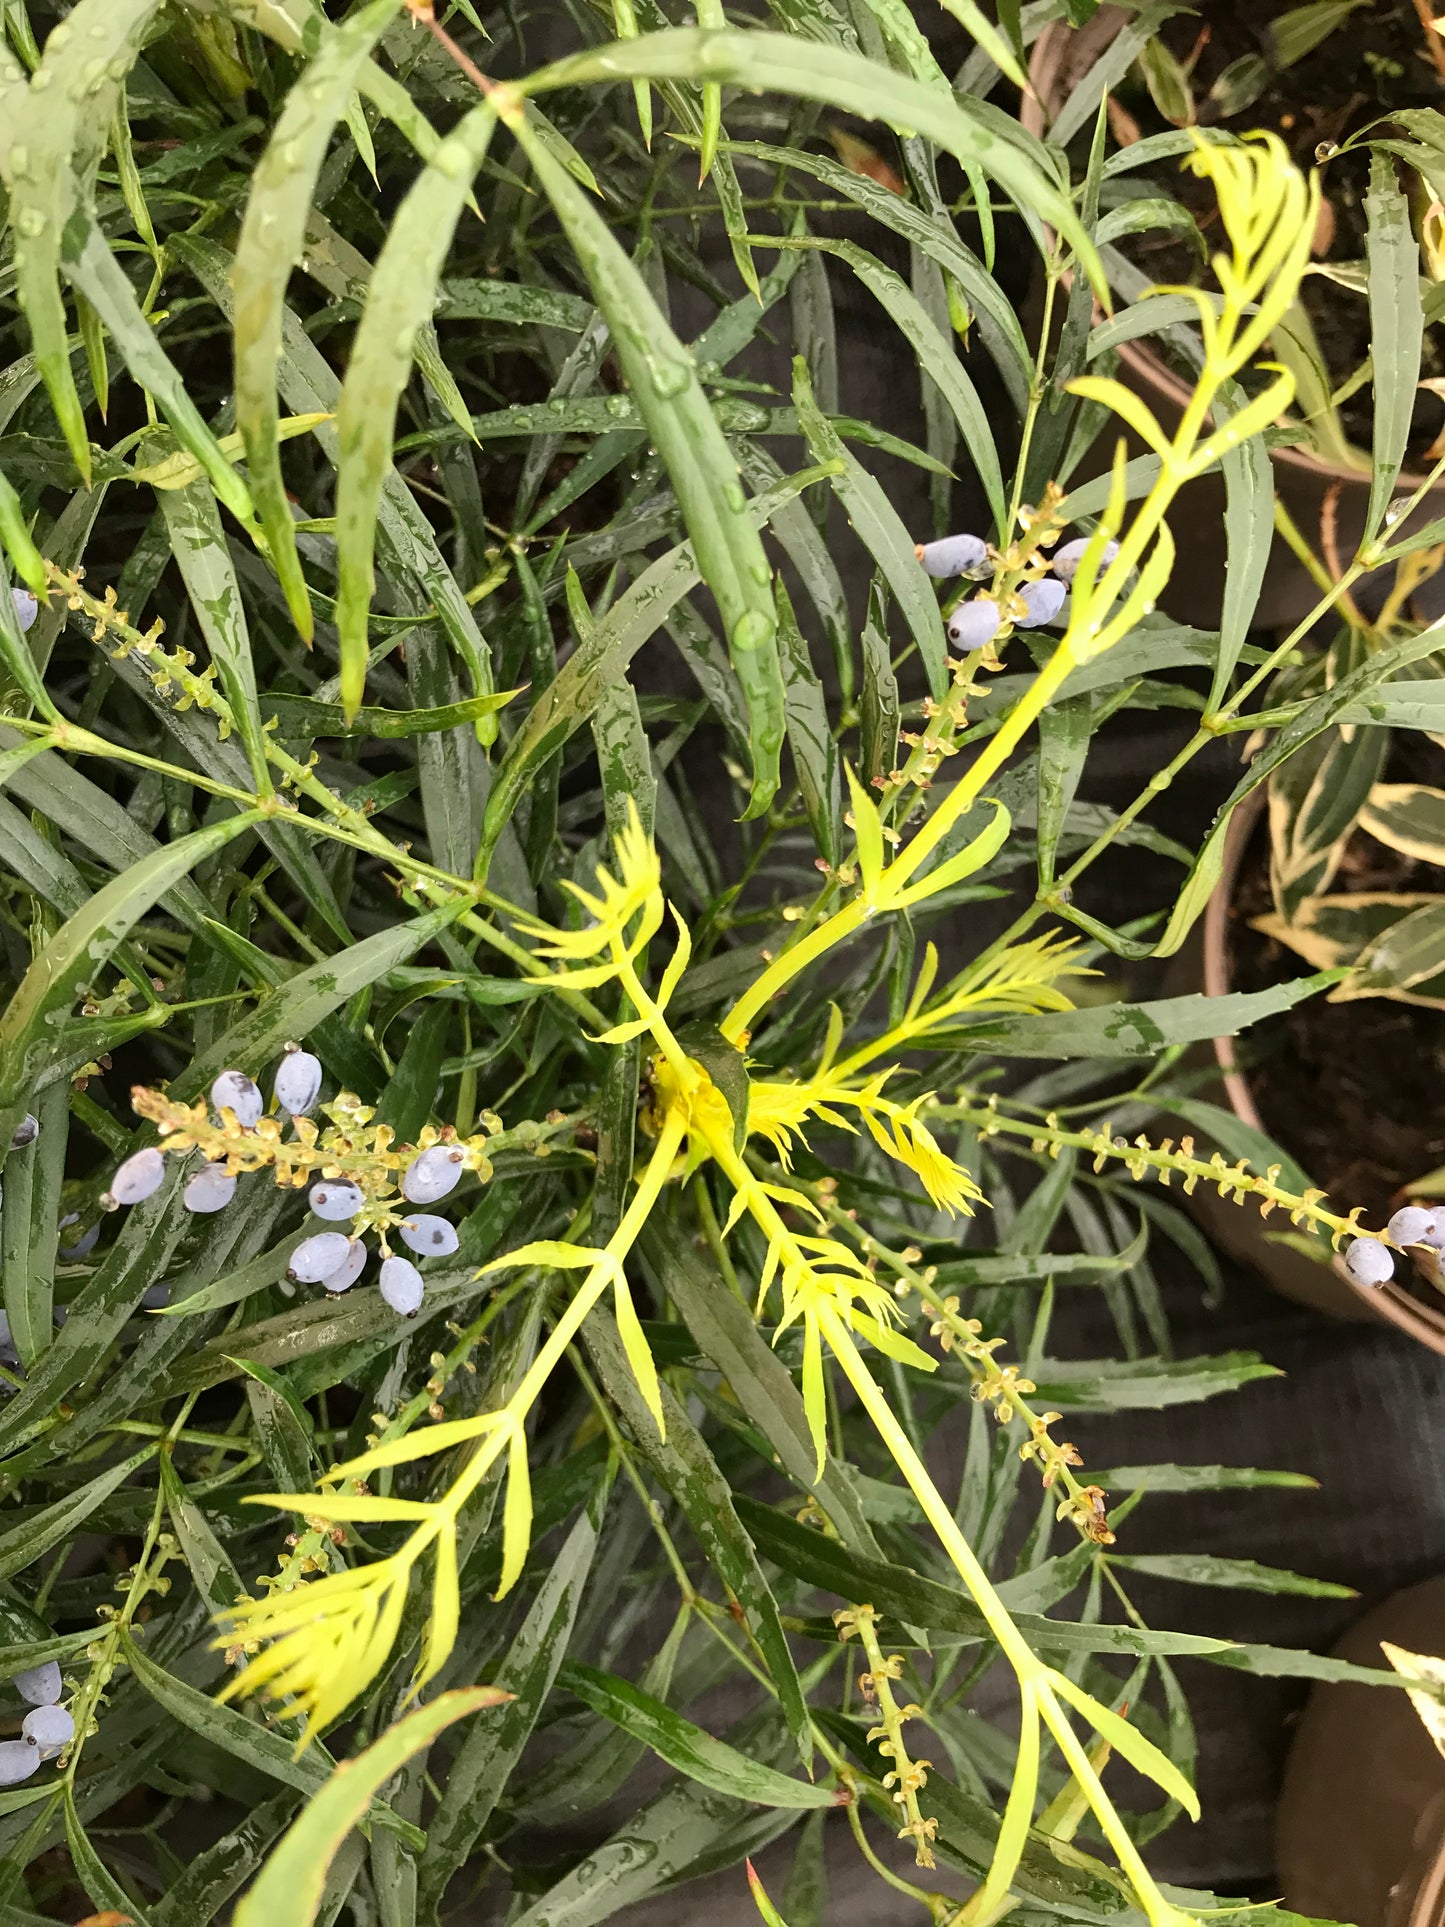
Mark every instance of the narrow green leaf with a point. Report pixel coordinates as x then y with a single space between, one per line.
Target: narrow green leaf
1243 1575
291 1883
686 1469
1195 1478
687 1747
30 1259
217 1581
701 466
526 1676
847 83
100 277
105 1891
810 736
60 127
298 1005
1396 329
23 1544
15 534
198 543
566 704
79 949
880 530
1065 733
1358 689
305 716
1130 1030
1248 535
399 300
202 1888
934 352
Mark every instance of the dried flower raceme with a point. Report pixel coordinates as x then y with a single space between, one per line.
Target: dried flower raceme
356 1175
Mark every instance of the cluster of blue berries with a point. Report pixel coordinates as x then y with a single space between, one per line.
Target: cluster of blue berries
1369 1261
46 1730
975 623
355 1167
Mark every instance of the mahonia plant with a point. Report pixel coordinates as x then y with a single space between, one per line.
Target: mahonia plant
676 1080
325 1644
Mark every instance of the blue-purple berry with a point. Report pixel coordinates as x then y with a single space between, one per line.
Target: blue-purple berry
211 1189
137 1178
27 608
235 1092
973 625
1045 598
1412 1224
1065 563
1369 1262
954 555
336 1199
18 1760
26 1132
401 1286
317 1258
432 1174
298 1081
431 1236
50 1728
348 1271
40 1685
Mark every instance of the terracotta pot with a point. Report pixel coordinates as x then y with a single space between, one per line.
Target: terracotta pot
1239 1228
1312 490
1360 1829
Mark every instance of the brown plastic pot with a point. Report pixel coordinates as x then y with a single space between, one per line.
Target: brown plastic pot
1318 494
1239 1228
1360 1828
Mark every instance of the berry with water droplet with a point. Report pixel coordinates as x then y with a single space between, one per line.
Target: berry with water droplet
211 1189
316 1258
336 1199
235 1092
974 624
298 1081
137 1178
1369 1262
433 1173
1045 598
433 1237
401 1286
953 555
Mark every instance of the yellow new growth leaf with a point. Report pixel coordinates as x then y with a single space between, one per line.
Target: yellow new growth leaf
516 1514
1430 1672
1137 1749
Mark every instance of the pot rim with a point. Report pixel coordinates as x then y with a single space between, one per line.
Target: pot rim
1391 1302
